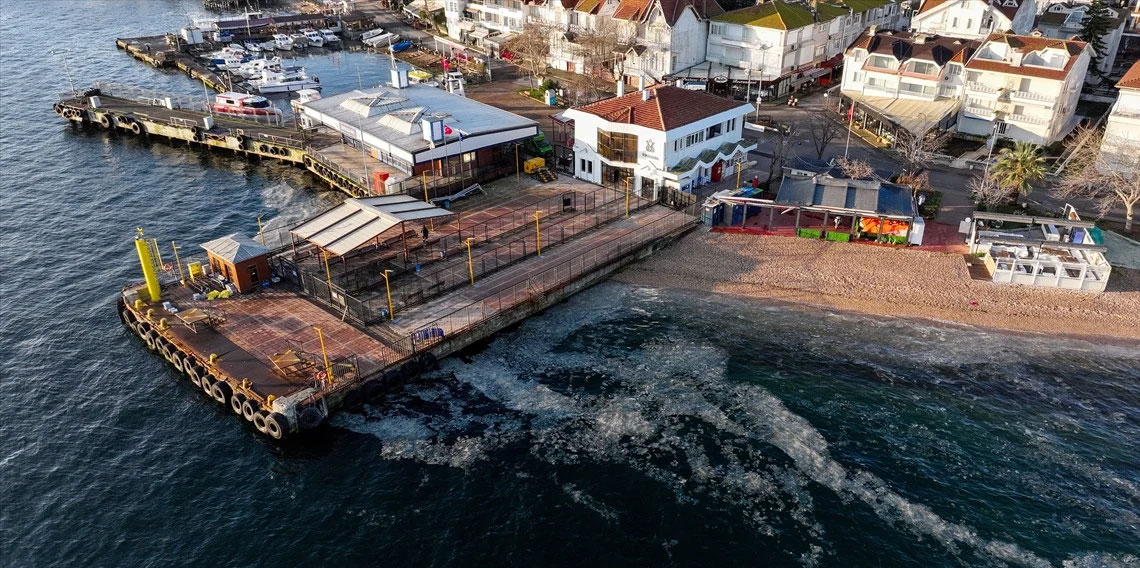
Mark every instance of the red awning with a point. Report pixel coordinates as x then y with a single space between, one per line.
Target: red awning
833 62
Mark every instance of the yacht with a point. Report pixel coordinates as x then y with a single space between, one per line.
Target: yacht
253 69
329 36
282 41
284 81
315 38
300 41
252 46
268 45
242 104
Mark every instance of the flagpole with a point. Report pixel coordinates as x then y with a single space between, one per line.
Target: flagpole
850 123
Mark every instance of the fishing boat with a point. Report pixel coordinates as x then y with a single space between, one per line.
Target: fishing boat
300 41
400 46
315 38
284 81
282 42
242 104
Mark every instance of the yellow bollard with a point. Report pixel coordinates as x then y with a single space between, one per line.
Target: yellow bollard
269 401
213 359
162 324
139 304
150 314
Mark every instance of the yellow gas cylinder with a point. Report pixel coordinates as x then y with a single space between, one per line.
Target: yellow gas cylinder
154 290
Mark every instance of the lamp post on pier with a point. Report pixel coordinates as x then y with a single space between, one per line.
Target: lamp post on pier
388 290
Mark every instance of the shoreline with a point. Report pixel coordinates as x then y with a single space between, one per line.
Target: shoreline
933 287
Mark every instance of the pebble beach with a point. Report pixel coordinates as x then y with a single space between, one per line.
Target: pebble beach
886 281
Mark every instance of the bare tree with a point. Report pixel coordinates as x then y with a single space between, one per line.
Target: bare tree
986 191
530 49
822 131
1109 179
917 148
597 47
780 150
855 169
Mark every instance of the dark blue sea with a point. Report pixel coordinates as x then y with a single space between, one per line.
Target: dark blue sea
625 427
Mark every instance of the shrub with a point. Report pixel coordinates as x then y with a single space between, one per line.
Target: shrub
838 237
809 233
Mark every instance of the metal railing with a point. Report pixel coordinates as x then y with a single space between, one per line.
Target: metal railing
981 88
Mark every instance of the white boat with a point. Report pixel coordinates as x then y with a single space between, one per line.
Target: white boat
252 69
268 45
243 104
299 41
282 41
284 81
303 96
253 47
329 36
315 38
383 39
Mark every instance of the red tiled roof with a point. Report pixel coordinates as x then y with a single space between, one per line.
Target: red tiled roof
632 9
668 108
1027 44
930 5
904 45
1131 79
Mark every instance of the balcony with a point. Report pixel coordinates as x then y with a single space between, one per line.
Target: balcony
981 88
978 112
1037 98
1025 119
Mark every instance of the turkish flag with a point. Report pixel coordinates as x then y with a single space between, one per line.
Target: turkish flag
446 130
446 64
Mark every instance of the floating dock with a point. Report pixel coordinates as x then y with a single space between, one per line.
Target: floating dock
289 354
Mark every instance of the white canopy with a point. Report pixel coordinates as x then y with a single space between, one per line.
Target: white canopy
357 221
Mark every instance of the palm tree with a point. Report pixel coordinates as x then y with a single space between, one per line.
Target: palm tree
1018 168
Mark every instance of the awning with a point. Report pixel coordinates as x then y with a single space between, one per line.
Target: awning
430 6
357 221
809 75
499 41
480 33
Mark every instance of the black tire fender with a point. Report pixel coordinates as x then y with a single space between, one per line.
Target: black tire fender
221 392
196 372
374 390
236 402
276 425
259 421
310 418
248 410
207 384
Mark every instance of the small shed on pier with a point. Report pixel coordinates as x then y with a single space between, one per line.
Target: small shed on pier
241 260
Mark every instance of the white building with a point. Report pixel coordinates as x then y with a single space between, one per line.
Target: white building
911 81
974 19
1062 20
473 21
661 37
1024 87
1121 146
661 136
784 44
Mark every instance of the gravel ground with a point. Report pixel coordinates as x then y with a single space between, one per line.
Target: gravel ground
886 281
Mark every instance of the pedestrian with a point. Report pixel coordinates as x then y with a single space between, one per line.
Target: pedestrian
755 182
425 233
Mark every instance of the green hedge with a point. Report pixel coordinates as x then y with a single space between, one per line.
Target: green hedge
809 233
838 237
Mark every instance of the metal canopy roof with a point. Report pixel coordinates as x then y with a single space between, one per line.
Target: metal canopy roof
357 221
235 248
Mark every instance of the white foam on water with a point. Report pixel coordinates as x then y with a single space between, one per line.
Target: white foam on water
597 506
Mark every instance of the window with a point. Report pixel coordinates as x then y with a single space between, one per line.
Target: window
916 88
881 61
587 166
953 70
924 68
955 23
695 138
1024 86
617 146
717 29
712 131
1018 109
970 24
973 76
254 278
876 82
857 76
677 145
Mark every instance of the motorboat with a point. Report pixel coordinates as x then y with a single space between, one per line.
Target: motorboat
371 34
282 42
268 45
329 36
243 104
382 40
400 46
303 96
315 38
299 41
284 81
419 76
252 69
252 46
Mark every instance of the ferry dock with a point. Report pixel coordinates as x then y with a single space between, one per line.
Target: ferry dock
310 335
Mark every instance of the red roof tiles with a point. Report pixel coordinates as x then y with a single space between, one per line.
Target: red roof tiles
1027 44
667 108
1131 79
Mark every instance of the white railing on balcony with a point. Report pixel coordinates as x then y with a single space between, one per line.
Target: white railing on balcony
1032 97
1026 119
980 112
979 87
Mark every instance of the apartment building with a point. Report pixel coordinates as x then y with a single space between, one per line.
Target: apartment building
1121 146
974 19
660 37
905 81
1024 87
661 136
783 44
1063 20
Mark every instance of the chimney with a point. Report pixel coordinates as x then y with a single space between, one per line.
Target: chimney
645 95
641 82
621 86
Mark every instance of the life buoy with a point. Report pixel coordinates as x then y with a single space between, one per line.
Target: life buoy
137 129
259 421
236 402
275 425
221 392
310 418
105 121
248 410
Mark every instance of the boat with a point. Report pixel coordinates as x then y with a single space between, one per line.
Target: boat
299 41
383 40
252 46
371 34
329 36
282 42
252 69
315 38
284 81
268 45
400 46
303 96
243 104
419 76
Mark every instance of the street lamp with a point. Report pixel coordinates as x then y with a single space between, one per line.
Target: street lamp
470 264
537 233
388 290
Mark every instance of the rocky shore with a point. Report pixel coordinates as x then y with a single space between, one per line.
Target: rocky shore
886 281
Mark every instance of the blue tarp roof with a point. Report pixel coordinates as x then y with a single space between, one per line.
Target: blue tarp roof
842 193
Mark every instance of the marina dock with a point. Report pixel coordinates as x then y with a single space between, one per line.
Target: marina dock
261 353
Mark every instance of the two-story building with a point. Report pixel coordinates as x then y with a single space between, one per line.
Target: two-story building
1024 87
974 19
904 80
1063 20
779 45
662 36
661 136
1121 146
